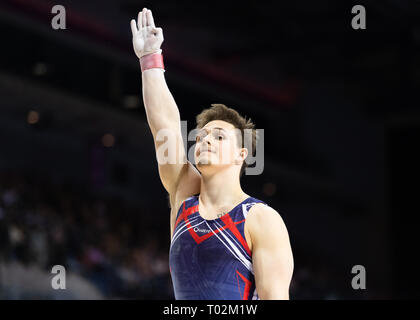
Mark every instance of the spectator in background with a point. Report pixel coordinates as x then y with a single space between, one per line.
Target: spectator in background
99 243
42 225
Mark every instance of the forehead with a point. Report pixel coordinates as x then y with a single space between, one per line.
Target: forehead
219 124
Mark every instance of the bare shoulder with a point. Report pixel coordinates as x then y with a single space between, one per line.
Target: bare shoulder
261 212
263 220
188 185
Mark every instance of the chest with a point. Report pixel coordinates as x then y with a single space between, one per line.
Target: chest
222 233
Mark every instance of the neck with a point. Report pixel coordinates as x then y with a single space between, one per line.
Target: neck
221 189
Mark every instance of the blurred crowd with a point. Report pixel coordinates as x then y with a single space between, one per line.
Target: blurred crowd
43 224
111 250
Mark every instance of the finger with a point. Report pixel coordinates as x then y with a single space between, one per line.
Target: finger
133 26
140 20
150 21
157 31
144 17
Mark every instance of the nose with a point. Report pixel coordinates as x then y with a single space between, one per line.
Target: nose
207 139
204 144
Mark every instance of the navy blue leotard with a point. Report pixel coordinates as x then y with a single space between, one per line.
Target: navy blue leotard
210 259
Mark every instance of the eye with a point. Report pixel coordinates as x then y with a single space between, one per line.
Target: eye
218 135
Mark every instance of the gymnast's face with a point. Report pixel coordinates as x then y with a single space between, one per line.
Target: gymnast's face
217 145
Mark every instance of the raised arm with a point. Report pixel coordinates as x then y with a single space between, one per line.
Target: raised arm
162 113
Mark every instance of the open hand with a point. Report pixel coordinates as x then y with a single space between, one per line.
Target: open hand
147 38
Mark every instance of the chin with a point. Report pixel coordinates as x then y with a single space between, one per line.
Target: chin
204 163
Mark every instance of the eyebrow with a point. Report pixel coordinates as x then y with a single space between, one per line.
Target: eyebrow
214 128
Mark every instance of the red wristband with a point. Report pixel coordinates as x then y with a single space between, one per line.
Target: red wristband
153 60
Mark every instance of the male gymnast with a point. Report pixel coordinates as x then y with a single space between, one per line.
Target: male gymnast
225 244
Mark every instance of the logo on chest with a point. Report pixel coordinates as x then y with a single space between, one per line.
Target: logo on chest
201 234
197 229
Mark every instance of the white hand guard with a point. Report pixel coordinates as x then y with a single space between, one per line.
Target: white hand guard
147 38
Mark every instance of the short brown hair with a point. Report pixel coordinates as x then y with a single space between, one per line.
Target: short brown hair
221 112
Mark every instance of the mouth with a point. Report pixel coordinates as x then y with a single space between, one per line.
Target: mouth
205 150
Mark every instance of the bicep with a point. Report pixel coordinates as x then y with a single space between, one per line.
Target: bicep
272 256
189 184
170 155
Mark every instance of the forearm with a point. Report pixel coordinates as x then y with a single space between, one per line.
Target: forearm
161 109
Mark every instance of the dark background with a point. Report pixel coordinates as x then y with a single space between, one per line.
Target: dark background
339 107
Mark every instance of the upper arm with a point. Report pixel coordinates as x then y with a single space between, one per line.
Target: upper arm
178 176
272 256
174 169
170 155
188 184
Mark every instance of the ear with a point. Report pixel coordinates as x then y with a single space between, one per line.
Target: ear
243 153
